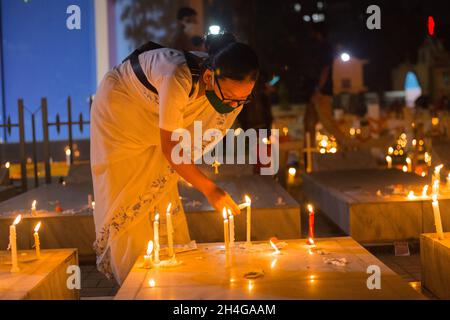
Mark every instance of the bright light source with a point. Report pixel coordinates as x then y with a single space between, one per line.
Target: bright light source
297 7
306 18
214 29
292 171
345 57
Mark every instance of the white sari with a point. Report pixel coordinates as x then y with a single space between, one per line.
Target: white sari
132 178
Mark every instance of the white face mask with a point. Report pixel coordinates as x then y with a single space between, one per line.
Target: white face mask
189 28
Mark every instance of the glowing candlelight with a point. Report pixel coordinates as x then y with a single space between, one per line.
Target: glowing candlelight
311 242
151 283
437 217
156 237
437 172
148 256
33 208
389 162
291 175
37 243
311 224
7 165
275 248
89 201
427 159
225 229
285 131
93 205
390 150
13 244
411 195
68 153
169 230
405 168
435 188
409 164
425 191
231 218
249 219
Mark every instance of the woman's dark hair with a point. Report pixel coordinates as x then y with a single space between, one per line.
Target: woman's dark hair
185 12
231 59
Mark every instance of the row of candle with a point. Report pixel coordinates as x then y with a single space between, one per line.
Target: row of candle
153 247
13 242
228 224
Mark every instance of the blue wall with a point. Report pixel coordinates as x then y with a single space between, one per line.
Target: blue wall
42 58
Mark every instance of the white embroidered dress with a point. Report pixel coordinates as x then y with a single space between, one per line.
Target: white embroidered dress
132 179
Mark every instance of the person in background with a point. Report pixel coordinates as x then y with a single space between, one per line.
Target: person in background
321 80
184 37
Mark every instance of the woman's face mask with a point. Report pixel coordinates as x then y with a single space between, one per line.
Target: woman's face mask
221 104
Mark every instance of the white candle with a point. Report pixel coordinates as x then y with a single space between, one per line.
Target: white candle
13 244
37 243
437 218
435 190
389 162
148 257
425 191
225 229
409 164
156 237
249 219
33 208
231 218
169 230
437 173
68 152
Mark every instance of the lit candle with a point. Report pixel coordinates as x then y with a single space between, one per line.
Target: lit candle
231 218
409 164
437 173
435 190
68 152
411 195
37 243
90 201
311 224
156 237
13 244
291 175
225 228
425 191
389 162
285 131
249 219
33 208
169 230
148 256
93 205
405 168
437 218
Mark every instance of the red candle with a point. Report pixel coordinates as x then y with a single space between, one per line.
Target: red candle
311 224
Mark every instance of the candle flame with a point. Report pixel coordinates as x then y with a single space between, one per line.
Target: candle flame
37 227
311 241
33 204
438 168
7 165
277 251
405 169
248 200
425 190
230 214
93 204
224 213
411 195
17 220
250 285
156 216
310 208
169 207
68 152
292 171
150 247
151 283
408 160
388 159
434 197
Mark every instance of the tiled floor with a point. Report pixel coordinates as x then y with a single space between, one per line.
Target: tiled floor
95 284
